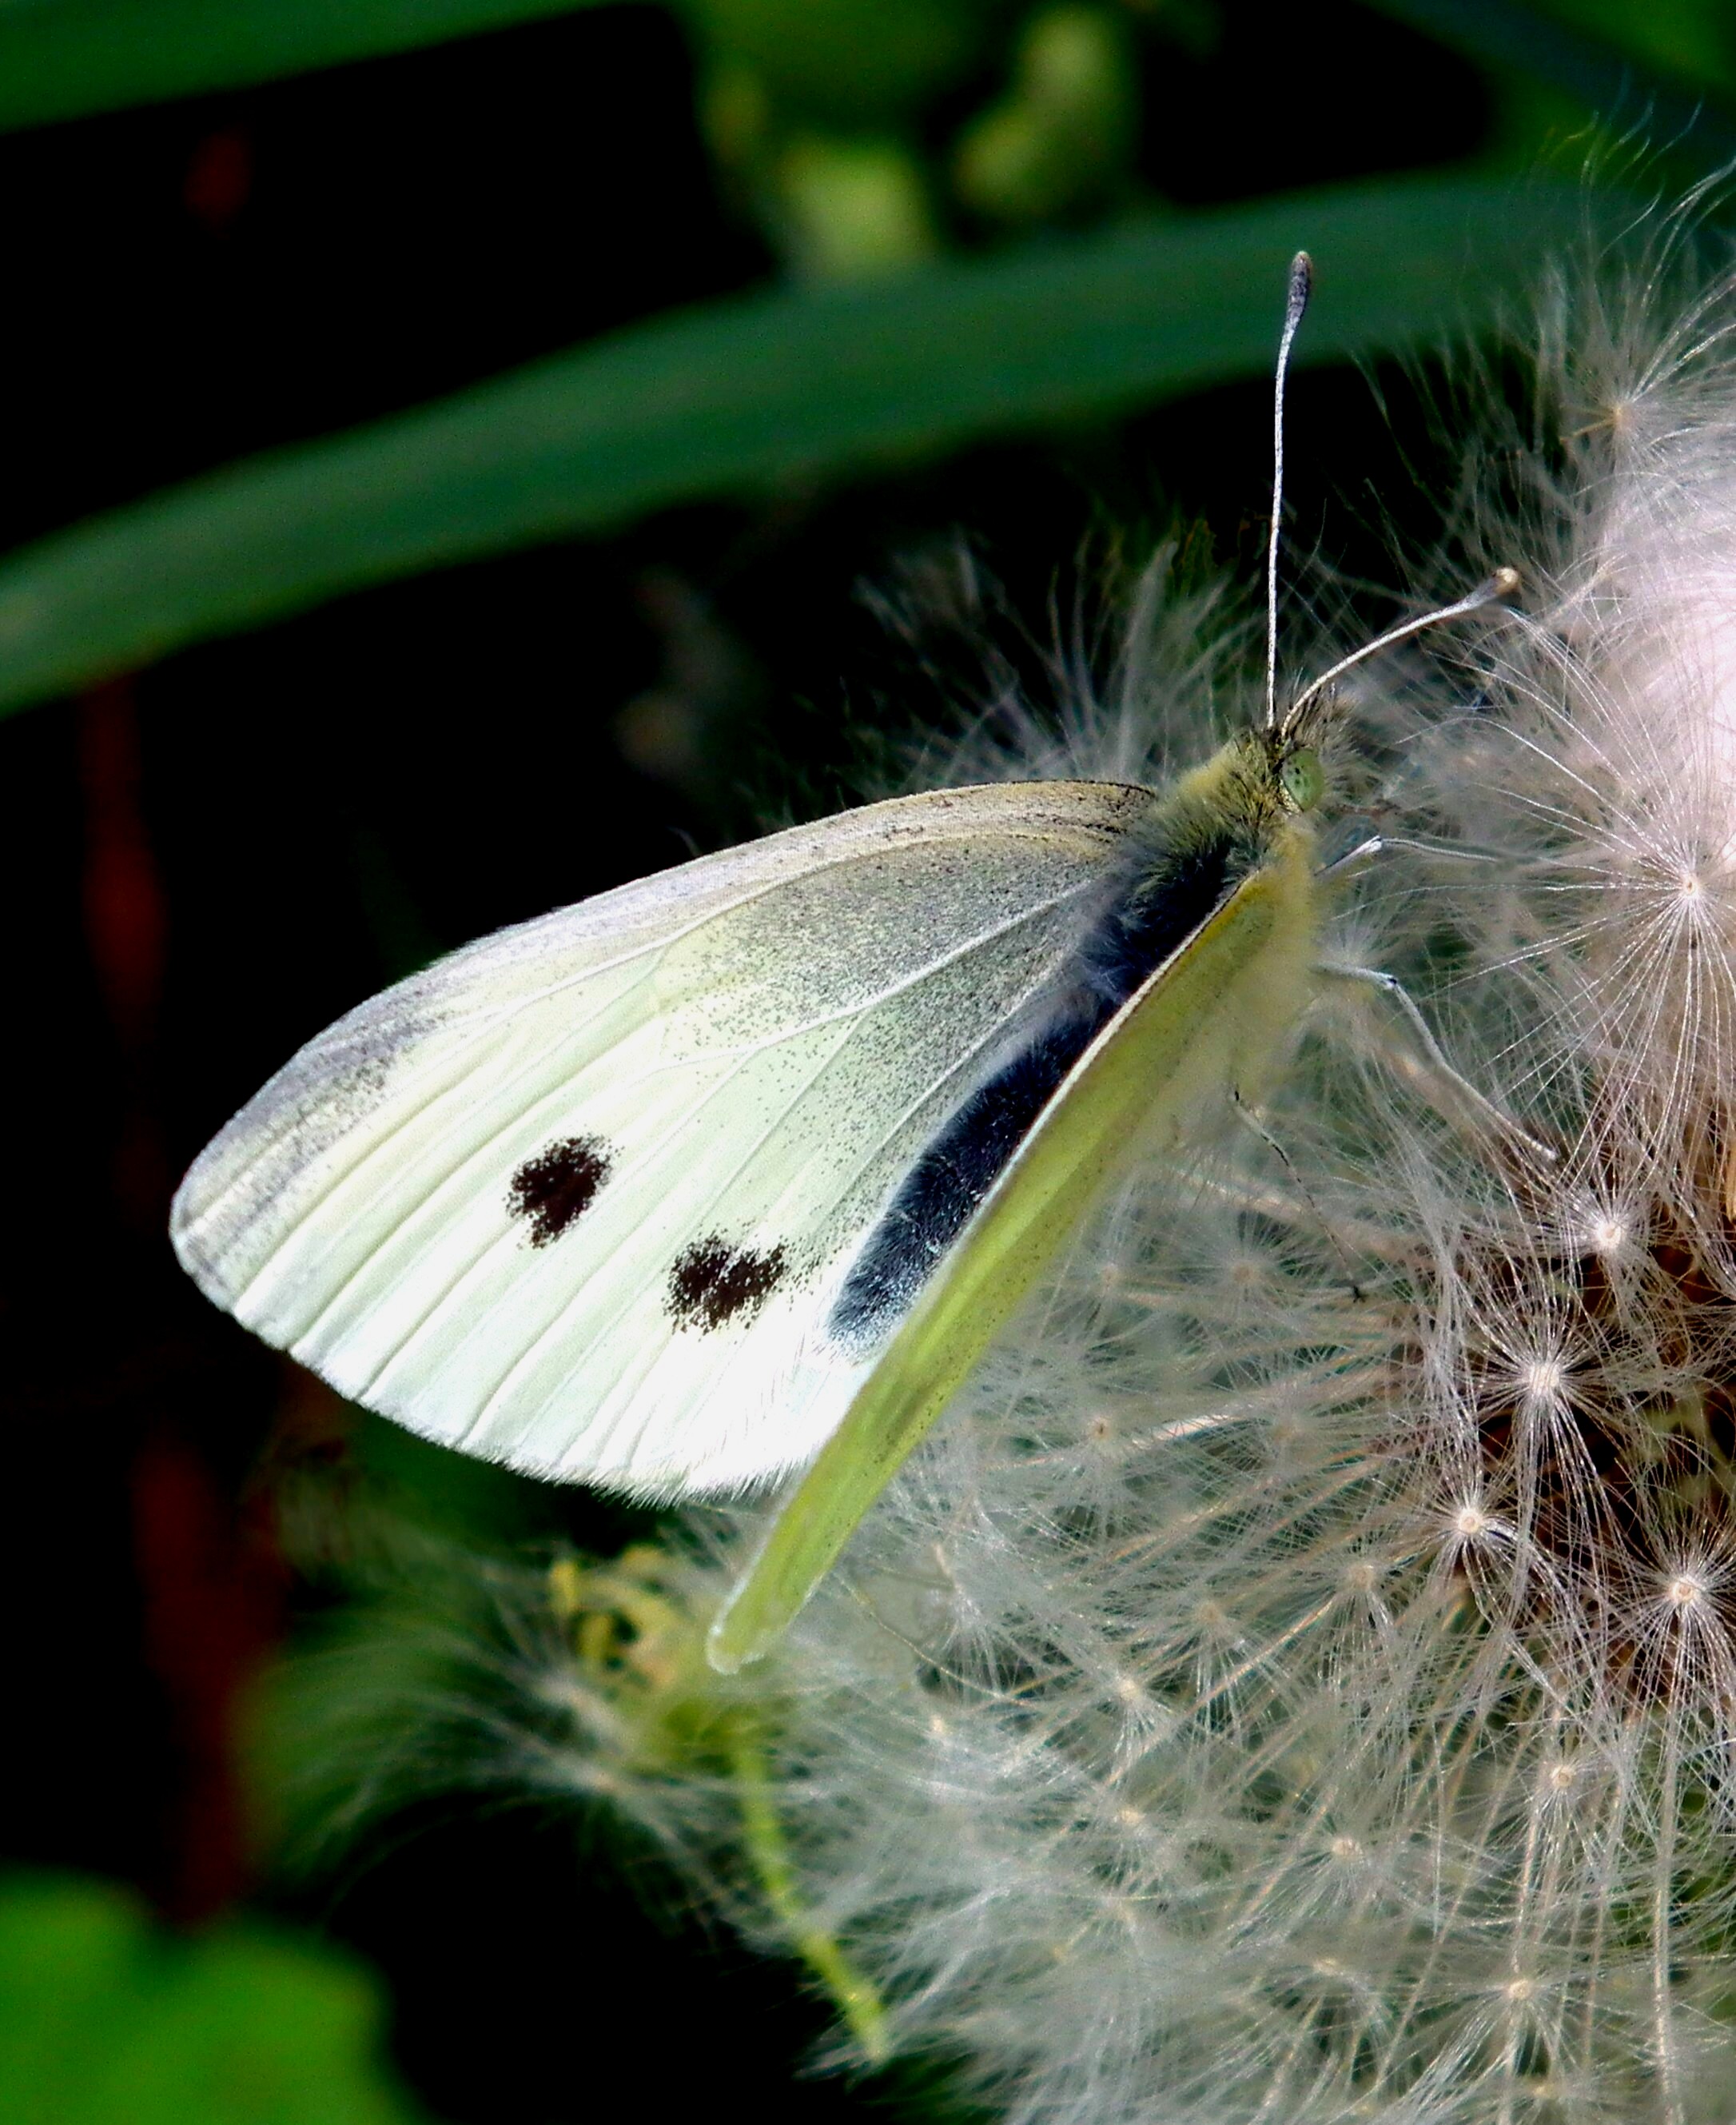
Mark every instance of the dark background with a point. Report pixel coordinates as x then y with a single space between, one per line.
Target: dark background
207 862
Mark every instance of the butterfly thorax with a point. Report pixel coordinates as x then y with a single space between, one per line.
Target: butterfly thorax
1212 828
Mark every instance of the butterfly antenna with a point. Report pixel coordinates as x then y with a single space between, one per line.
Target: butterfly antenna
1301 286
1501 584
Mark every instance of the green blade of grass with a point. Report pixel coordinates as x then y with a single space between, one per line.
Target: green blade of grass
65 58
771 388
68 59
1687 120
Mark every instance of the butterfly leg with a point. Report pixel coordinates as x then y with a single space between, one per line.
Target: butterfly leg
1373 846
1421 1056
1356 858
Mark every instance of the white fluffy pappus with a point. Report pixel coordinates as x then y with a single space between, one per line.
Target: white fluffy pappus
1297 1681
1272 1698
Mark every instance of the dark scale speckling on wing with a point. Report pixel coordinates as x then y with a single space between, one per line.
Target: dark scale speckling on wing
1183 863
236 1191
713 1283
551 1190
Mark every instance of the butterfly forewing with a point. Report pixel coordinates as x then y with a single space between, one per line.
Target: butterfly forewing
579 1197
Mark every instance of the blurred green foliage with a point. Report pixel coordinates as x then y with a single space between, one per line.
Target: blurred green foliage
856 64
65 58
791 384
107 2019
1065 131
1693 40
814 108
1663 71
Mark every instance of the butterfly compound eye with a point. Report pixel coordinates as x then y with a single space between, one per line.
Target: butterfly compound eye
1302 779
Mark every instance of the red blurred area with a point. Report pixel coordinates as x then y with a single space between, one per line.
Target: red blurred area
219 179
126 933
213 1605
210 1587
125 915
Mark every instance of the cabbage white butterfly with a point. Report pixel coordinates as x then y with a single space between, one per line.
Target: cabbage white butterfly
741 1166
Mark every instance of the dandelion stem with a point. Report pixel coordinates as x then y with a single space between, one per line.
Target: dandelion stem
856 1999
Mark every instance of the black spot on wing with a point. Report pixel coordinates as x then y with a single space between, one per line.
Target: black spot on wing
550 1191
713 1283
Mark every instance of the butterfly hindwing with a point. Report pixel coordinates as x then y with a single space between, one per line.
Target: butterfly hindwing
578 1197
1206 1014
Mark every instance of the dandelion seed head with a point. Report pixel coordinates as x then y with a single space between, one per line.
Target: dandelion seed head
1298 1680
1380 1662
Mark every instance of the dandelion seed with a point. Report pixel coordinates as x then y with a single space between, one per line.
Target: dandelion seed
1543 1379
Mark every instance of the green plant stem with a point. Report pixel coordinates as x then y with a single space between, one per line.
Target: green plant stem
855 1996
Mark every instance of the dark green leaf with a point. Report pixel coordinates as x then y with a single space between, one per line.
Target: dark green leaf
61 58
773 388
1624 85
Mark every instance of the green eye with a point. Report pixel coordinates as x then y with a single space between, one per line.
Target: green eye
1302 779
